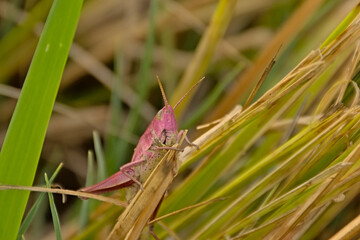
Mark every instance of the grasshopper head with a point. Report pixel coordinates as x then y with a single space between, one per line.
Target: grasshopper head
166 114
167 117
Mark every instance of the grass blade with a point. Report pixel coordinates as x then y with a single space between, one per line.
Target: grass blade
112 139
100 157
30 216
54 213
25 136
86 205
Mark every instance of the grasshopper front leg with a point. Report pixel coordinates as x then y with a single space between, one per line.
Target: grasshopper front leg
159 145
181 133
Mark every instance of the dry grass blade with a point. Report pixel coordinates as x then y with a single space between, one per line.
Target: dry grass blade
301 77
283 124
261 81
350 231
12 92
186 209
286 197
136 216
172 233
212 133
65 192
271 224
106 77
287 230
349 72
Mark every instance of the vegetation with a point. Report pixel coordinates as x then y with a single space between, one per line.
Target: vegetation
279 152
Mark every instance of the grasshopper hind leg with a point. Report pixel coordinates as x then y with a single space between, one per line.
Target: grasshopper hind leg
131 165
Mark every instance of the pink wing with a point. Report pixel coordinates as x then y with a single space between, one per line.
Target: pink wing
114 182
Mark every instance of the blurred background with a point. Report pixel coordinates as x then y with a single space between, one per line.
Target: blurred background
109 83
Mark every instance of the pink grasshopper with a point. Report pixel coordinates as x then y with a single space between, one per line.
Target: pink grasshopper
161 134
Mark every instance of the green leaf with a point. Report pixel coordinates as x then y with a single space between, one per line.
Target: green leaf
25 136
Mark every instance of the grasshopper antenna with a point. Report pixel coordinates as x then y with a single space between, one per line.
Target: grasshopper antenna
187 93
162 91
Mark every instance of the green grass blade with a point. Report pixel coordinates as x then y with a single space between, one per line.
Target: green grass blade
54 213
344 24
100 157
112 152
25 136
30 216
86 205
